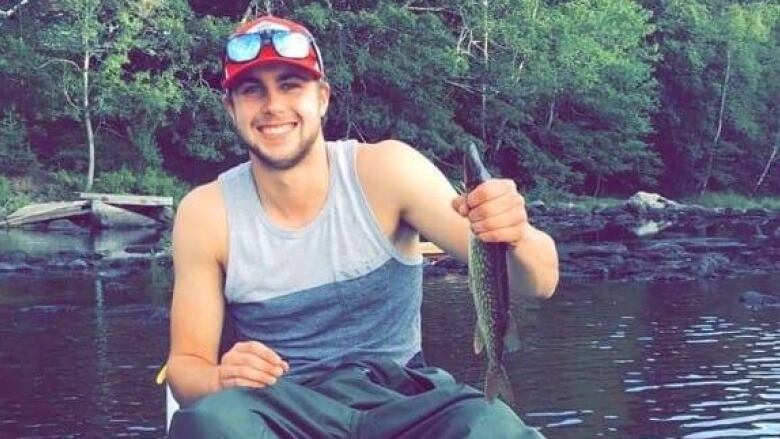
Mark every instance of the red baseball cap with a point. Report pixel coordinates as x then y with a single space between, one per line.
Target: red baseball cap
312 63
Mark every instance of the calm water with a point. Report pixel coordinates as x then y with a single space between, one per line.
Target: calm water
78 356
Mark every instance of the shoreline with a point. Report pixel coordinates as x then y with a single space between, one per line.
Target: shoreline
639 240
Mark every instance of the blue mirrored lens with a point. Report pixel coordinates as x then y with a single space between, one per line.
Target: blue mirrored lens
244 47
291 44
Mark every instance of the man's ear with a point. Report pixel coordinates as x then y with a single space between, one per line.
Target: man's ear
227 102
324 97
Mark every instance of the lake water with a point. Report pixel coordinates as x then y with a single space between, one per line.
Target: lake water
79 353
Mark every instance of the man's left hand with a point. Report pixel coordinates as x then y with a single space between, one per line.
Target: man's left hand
496 211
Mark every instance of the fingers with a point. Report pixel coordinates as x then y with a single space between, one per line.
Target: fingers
251 364
509 218
260 350
489 190
495 210
231 376
460 206
509 235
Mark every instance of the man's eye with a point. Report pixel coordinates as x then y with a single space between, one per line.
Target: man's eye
251 90
290 85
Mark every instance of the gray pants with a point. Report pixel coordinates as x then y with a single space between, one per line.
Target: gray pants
363 400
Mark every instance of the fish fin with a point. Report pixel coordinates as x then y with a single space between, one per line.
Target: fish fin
497 383
479 344
511 336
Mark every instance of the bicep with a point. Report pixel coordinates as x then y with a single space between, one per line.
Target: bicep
426 199
197 309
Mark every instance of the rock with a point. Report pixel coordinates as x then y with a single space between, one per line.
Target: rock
64 225
536 207
649 228
664 249
708 264
5 267
757 211
712 245
108 216
595 250
642 201
755 300
141 249
449 265
78 264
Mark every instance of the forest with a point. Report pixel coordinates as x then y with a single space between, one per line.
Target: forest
585 97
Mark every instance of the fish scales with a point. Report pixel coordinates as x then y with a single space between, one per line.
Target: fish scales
495 331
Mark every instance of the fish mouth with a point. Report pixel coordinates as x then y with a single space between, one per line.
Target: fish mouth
474 171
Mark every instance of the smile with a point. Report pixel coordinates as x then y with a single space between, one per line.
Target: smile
277 129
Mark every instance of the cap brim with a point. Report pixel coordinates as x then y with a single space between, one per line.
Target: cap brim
239 73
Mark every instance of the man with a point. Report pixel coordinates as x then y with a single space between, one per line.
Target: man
310 250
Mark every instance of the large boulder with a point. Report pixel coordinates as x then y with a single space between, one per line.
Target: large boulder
643 201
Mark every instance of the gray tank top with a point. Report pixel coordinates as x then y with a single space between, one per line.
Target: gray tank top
332 292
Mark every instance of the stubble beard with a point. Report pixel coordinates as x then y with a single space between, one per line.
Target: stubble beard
284 163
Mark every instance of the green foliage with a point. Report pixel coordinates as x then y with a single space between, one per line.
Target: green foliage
122 181
156 182
18 158
64 185
734 200
149 182
583 96
11 199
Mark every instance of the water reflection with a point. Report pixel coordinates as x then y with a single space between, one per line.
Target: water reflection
78 355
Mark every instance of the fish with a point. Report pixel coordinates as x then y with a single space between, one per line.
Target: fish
496 331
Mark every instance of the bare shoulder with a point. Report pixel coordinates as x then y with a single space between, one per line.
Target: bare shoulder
392 165
406 180
201 221
388 155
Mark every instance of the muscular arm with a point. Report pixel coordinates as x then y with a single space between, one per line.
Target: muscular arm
426 201
197 309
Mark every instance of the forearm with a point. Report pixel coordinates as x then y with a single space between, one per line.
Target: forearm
191 378
533 265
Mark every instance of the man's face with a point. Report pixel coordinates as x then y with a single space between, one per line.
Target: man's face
277 111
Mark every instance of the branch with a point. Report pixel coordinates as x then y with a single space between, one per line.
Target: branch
425 9
461 86
68 99
10 12
66 61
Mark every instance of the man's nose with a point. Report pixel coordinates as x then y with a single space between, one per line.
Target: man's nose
273 101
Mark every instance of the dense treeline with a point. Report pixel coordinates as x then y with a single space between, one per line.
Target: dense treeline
590 97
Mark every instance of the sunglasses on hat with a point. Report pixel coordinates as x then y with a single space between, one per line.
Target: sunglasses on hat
287 44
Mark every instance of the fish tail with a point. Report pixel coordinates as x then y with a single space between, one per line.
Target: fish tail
497 383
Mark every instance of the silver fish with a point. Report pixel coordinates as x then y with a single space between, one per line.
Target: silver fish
496 331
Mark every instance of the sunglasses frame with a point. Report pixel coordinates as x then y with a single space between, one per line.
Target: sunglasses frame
267 37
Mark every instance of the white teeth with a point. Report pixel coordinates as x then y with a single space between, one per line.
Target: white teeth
277 129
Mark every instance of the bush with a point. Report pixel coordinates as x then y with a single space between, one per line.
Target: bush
10 200
64 185
122 181
734 200
150 182
157 182
18 157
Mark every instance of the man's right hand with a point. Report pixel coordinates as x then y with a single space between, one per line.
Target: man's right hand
249 364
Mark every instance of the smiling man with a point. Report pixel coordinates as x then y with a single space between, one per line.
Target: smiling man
309 250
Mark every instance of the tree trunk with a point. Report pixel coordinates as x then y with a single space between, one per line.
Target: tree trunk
769 161
485 78
551 116
711 153
85 102
597 190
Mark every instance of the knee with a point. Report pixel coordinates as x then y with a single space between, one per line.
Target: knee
214 415
480 419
